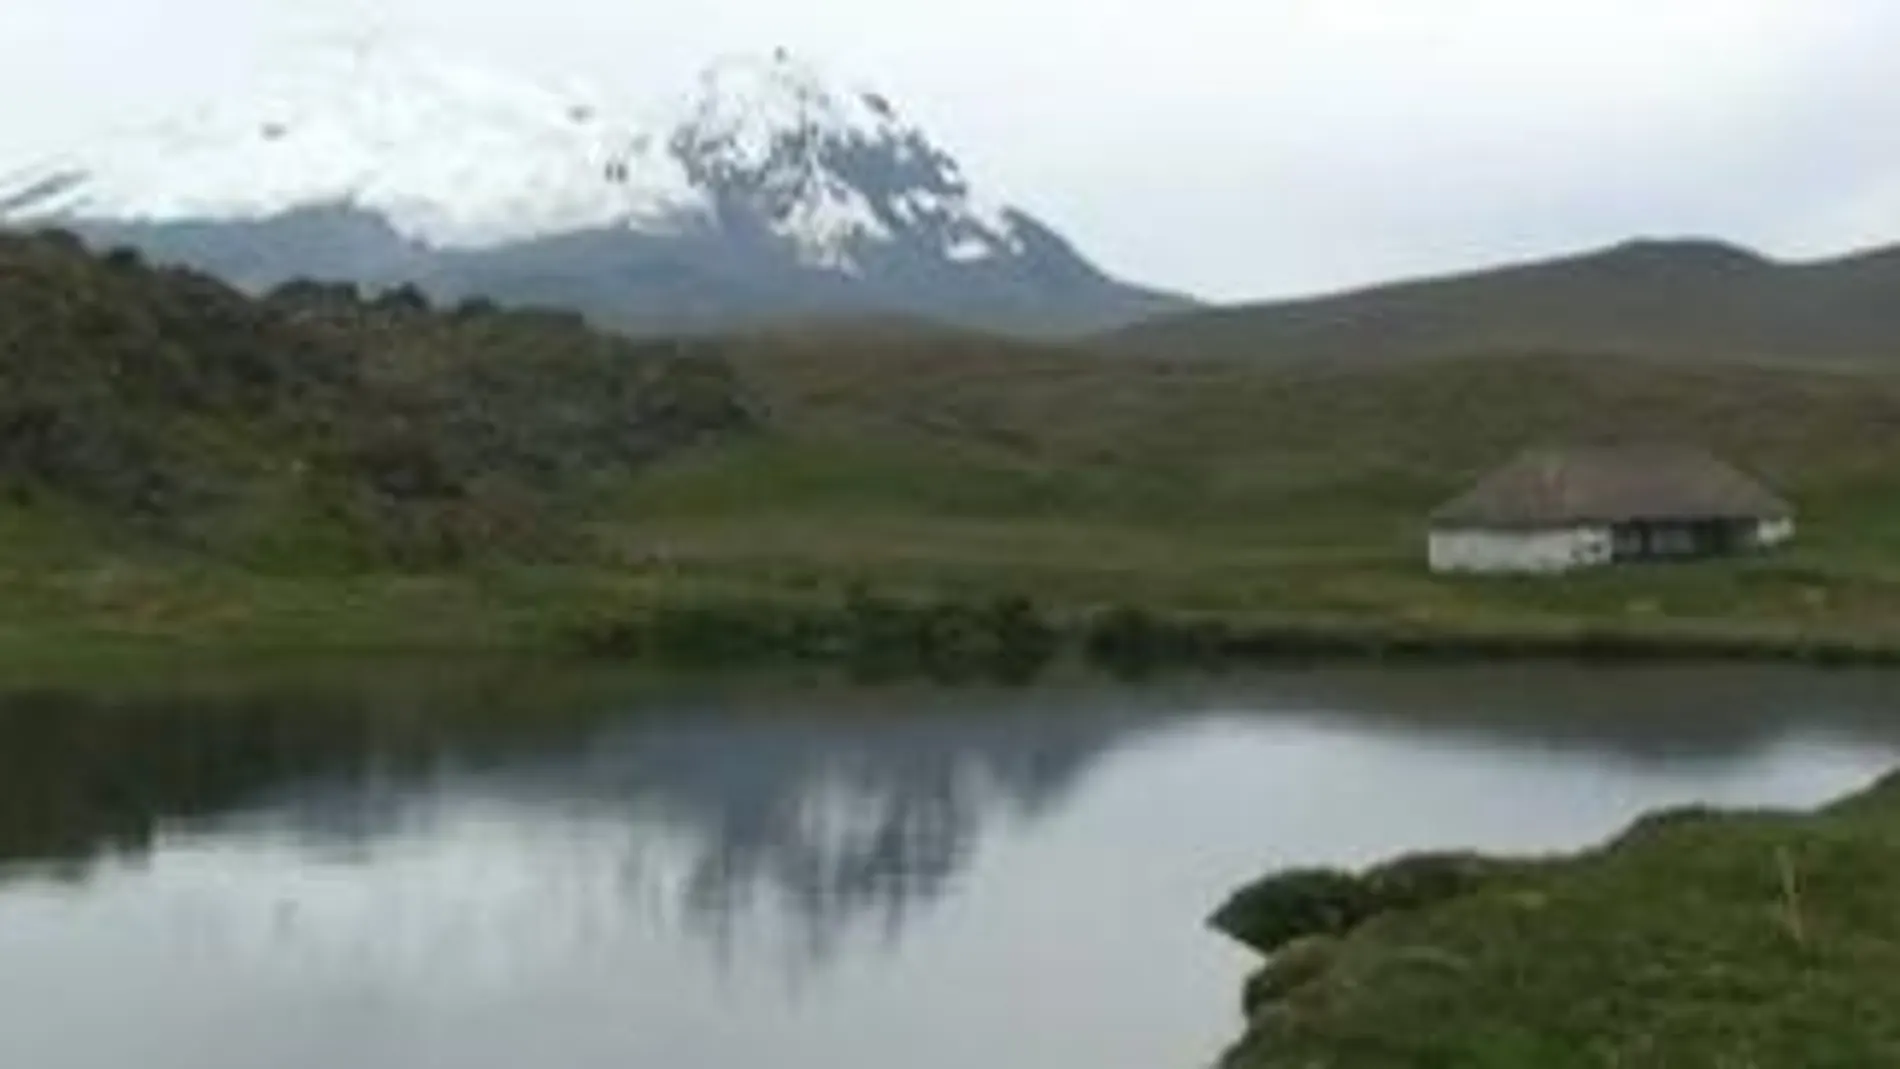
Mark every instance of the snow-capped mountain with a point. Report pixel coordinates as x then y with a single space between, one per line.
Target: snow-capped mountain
832 172
765 191
448 153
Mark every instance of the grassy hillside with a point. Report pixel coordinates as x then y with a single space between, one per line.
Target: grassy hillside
316 428
321 469
1695 939
952 463
1690 302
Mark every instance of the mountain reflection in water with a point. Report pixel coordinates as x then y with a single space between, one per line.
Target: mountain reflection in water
496 868
840 817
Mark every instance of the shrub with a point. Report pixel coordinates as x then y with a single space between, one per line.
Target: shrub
1273 912
1292 905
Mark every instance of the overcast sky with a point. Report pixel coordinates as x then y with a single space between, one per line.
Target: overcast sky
1234 148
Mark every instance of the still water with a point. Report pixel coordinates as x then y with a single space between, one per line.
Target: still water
447 874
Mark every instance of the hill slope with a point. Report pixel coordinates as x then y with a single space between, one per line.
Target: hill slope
1670 300
334 457
163 401
767 191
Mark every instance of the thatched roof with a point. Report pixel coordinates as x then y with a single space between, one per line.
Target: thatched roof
1563 487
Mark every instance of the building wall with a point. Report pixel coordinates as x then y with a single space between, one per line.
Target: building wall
1535 552
1772 533
1561 550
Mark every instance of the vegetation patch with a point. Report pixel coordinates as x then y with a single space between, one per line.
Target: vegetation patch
1006 639
1695 939
321 428
181 463
1282 909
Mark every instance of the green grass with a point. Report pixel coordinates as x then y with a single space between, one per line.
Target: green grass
936 467
182 467
1224 488
1694 940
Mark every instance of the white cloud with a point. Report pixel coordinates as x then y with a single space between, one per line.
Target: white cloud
1236 148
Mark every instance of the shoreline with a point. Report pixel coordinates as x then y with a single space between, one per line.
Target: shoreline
1000 639
1014 633
1695 936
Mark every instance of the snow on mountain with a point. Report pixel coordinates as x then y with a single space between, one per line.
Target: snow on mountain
764 191
829 169
455 156
449 153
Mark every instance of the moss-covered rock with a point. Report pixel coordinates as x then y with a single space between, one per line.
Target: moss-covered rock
1282 908
1276 911
1294 966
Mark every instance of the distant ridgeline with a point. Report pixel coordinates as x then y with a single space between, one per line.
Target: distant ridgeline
317 422
1686 302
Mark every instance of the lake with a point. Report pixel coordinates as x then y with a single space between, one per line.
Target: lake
496 868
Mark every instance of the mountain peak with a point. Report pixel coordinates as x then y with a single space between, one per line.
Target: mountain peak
838 171
455 154
767 182
750 97
1685 252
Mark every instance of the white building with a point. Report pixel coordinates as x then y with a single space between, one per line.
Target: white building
1554 511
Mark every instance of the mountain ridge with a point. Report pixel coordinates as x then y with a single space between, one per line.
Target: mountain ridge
767 191
1687 299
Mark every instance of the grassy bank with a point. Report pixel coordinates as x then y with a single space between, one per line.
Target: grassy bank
1695 939
78 618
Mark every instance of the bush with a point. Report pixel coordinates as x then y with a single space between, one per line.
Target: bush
1005 639
476 308
1133 642
406 298
1293 905
874 637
